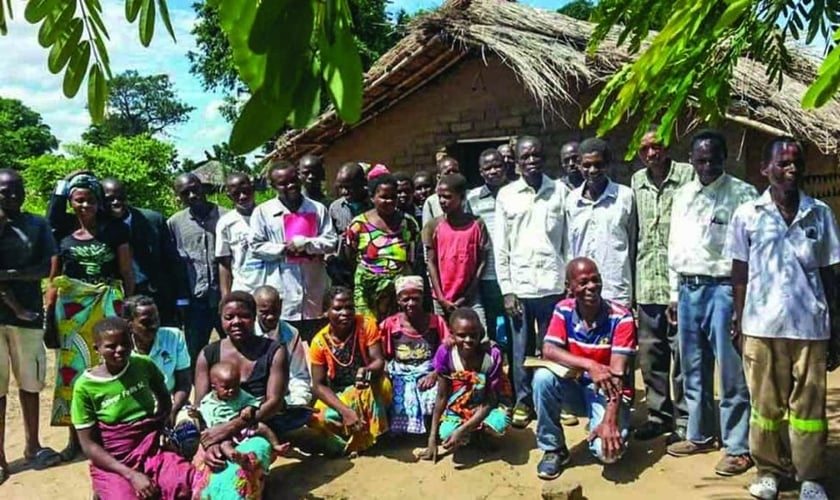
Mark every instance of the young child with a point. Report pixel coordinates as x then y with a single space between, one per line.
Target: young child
227 401
470 384
6 293
456 246
424 186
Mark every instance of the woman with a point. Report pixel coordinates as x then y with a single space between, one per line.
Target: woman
87 281
410 339
381 241
470 383
263 364
118 410
348 377
165 346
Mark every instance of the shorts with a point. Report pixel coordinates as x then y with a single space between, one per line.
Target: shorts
22 349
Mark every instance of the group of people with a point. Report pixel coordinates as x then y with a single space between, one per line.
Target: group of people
413 304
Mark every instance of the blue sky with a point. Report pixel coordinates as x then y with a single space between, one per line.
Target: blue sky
25 76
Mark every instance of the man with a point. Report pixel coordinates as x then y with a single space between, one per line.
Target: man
26 247
482 201
601 223
194 233
509 161
782 246
597 337
405 197
353 199
154 257
431 207
424 186
654 187
570 165
238 269
311 171
291 234
530 228
701 297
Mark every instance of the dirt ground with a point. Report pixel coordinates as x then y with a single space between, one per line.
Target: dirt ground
390 472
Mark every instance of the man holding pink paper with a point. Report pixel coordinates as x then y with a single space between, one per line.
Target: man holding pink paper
291 234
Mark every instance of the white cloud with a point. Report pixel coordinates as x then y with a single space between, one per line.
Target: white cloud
26 77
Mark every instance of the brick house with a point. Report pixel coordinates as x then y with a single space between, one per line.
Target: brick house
475 74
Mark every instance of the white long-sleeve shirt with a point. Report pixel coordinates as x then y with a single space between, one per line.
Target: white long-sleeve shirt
604 230
700 218
529 239
301 285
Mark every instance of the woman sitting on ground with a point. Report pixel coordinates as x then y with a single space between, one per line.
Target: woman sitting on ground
263 366
470 383
164 345
348 377
410 339
113 411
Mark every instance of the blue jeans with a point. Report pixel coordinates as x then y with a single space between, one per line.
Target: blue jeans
552 394
705 324
528 332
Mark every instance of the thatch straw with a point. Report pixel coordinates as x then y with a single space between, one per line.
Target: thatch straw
547 52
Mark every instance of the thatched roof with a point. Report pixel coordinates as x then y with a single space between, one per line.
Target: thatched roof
547 51
211 172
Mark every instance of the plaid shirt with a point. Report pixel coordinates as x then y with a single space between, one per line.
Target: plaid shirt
654 211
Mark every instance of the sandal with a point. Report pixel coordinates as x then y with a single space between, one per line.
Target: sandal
43 459
4 474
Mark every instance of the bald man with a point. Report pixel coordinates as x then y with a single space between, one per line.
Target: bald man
596 337
194 234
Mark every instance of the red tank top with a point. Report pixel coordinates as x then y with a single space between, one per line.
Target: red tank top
458 251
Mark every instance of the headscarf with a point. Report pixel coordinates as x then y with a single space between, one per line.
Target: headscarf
85 181
404 283
377 170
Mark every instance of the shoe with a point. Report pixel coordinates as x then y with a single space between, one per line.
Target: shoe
675 437
552 463
522 416
765 488
811 490
686 448
568 419
650 430
732 465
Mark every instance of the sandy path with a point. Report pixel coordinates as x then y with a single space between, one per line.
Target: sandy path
389 471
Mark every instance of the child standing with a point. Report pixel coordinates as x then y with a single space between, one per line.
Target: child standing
227 401
456 246
470 383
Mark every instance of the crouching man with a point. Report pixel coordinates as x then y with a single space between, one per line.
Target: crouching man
597 338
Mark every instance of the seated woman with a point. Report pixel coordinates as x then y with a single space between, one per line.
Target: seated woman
470 384
262 364
113 411
410 339
164 345
348 377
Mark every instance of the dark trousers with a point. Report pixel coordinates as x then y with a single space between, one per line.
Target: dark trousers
494 307
528 334
659 351
202 318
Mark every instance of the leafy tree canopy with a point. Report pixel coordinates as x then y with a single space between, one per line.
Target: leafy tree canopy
22 134
578 9
141 162
690 62
138 105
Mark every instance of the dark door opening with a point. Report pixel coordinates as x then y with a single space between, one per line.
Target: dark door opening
467 152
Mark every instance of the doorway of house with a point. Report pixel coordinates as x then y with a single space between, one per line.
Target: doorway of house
467 152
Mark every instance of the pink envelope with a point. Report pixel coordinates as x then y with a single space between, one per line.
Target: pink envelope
299 224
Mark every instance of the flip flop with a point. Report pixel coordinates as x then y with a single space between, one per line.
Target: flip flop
4 474
44 459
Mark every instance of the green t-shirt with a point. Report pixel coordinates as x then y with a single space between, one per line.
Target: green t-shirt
126 397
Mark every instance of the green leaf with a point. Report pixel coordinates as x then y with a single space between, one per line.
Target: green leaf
132 8
97 93
94 9
102 52
76 69
64 46
259 120
164 14
36 10
55 23
826 83
147 22
236 18
732 13
269 21
288 56
307 98
5 13
342 72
